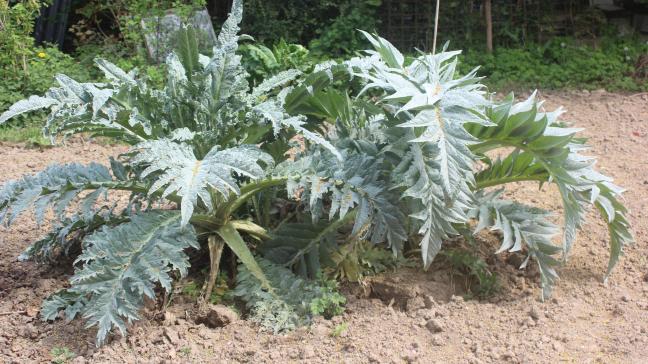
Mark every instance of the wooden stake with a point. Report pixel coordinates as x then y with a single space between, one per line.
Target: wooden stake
436 27
489 26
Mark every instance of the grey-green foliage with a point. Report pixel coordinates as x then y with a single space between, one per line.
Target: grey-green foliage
55 187
389 150
521 227
179 172
65 238
357 182
547 152
194 143
292 302
428 129
431 105
119 265
304 245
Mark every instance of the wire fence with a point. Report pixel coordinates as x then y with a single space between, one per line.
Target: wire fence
410 23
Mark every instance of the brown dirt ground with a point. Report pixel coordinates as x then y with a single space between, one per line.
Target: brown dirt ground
585 321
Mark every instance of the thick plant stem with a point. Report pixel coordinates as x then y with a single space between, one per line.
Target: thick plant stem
216 245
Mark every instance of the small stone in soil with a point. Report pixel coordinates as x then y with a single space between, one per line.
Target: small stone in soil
411 356
217 316
434 326
430 302
414 304
534 313
172 335
169 318
437 341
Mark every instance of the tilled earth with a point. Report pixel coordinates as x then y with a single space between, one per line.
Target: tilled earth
411 316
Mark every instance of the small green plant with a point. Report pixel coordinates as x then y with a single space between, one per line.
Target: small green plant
220 293
359 259
330 302
480 281
262 62
339 329
61 355
292 303
185 351
16 26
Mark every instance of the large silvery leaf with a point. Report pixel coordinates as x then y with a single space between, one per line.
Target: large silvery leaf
55 187
114 73
65 238
174 167
24 106
521 226
432 106
273 112
419 175
454 158
228 34
549 153
354 183
278 80
122 264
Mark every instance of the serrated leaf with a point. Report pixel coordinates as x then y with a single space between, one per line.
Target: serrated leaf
120 265
177 170
23 106
521 226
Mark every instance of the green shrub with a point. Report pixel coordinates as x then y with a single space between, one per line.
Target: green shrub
42 65
563 63
16 27
24 68
262 62
327 27
340 38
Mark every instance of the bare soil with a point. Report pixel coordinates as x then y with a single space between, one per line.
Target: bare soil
410 316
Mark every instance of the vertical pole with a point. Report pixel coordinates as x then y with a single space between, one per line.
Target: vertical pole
436 26
489 26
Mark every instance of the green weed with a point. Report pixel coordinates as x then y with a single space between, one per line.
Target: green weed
61 355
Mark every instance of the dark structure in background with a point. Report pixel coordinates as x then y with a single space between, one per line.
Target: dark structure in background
52 24
409 23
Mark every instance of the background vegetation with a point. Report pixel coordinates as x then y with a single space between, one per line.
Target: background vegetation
535 44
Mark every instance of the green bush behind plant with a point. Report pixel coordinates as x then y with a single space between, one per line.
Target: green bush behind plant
326 26
24 68
43 64
562 63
